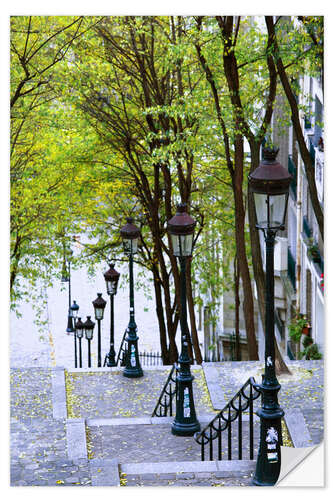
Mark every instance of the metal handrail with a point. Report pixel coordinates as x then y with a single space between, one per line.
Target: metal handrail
122 349
233 410
169 391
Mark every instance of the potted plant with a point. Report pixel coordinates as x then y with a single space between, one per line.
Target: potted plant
311 350
298 326
313 251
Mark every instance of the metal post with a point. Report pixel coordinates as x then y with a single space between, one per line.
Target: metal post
99 360
133 368
69 328
80 352
185 423
110 357
270 413
75 344
89 353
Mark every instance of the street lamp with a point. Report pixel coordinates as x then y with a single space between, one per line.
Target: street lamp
99 306
74 309
111 277
130 235
88 331
270 186
181 228
79 327
66 277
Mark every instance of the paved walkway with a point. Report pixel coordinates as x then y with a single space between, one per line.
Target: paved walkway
39 445
113 395
155 443
303 390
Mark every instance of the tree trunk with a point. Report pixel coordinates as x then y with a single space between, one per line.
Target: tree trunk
161 321
190 303
237 304
248 307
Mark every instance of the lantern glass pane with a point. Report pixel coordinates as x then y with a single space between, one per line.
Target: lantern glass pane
99 313
182 245
188 242
176 245
130 246
270 210
88 333
79 333
260 201
277 210
111 287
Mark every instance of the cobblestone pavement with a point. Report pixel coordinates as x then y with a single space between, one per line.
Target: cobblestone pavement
38 454
155 443
30 393
113 395
304 389
187 479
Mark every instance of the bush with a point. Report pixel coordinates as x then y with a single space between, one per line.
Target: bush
296 327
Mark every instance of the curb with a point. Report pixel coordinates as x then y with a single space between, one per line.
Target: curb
215 391
104 472
76 439
119 369
222 468
297 428
117 421
59 393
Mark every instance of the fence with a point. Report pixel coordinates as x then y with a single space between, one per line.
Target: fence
150 358
222 422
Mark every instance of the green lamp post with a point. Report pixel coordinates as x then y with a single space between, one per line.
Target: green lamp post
130 235
181 229
270 186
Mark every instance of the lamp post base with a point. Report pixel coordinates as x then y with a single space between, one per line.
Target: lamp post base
183 429
132 366
109 361
269 455
135 372
186 422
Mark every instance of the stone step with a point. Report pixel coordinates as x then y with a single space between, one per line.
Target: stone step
140 441
210 473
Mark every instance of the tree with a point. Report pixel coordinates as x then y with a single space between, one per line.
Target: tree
137 97
38 46
281 67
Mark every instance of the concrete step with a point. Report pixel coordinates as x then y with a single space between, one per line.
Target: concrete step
146 440
210 473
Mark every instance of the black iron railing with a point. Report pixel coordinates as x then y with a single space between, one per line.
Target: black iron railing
307 122
121 356
306 227
292 268
150 358
164 406
222 423
312 150
146 358
293 171
290 351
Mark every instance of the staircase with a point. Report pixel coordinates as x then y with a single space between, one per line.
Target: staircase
95 428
